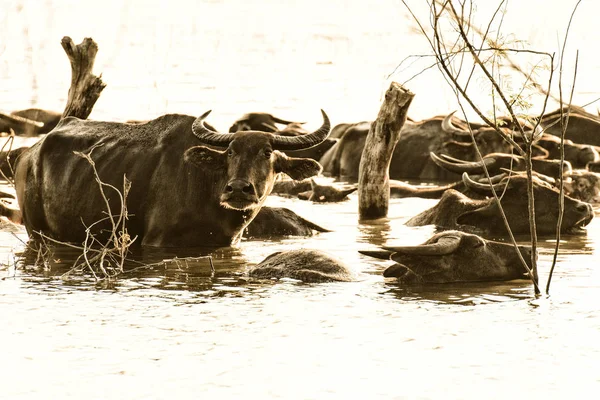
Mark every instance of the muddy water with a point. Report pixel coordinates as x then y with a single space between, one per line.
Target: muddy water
181 331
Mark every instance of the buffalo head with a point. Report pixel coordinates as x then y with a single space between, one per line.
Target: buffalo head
252 160
513 192
454 256
457 211
583 185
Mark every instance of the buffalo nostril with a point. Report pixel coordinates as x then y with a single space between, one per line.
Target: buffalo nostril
239 186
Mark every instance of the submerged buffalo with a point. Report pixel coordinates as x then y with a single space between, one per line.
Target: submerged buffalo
306 265
29 122
411 156
495 163
310 190
181 194
259 121
582 127
273 222
457 211
579 155
454 256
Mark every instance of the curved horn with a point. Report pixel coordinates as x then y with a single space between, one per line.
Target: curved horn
21 120
303 141
449 128
471 184
447 244
208 136
473 167
538 131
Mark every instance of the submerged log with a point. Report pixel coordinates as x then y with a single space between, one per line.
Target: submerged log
374 174
85 86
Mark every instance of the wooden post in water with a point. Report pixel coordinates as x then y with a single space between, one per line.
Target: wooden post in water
374 170
85 86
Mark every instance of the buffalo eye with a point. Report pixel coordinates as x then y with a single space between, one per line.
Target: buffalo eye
230 152
268 153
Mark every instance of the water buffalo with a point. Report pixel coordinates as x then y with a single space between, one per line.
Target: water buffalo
272 222
583 185
8 160
411 159
48 118
579 155
266 123
29 122
310 190
259 121
326 193
181 195
454 256
457 211
400 189
496 162
305 265
582 127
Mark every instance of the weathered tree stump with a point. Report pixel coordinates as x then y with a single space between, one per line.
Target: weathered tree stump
373 175
85 86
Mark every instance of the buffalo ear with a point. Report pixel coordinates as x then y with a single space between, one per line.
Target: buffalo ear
481 216
296 168
203 156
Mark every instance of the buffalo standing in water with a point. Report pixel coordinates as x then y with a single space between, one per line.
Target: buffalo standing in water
454 256
181 195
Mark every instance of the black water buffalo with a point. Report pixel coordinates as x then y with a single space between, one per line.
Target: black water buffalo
400 189
181 194
339 130
579 155
457 211
582 127
411 159
290 187
326 193
259 121
497 162
266 123
454 256
29 122
8 160
308 189
273 222
306 265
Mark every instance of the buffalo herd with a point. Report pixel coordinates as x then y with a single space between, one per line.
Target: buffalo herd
194 187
